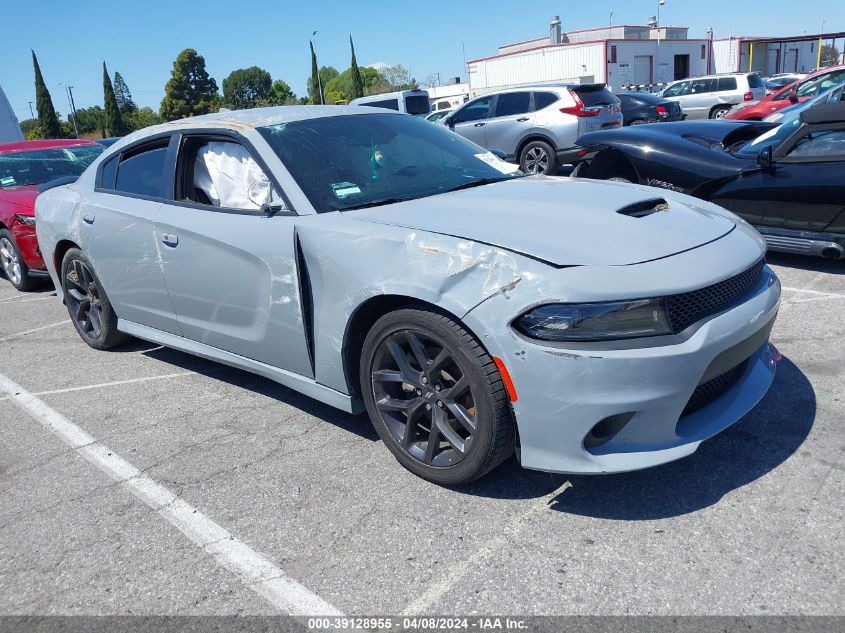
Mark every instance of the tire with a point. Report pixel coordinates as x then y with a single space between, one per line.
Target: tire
619 179
720 112
460 389
87 303
638 122
538 157
11 261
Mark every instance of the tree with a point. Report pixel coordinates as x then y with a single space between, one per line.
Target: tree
341 87
357 79
247 88
141 118
315 88
48 121
90 120
124 98
189 91
829 56
113 120
398 77
281 93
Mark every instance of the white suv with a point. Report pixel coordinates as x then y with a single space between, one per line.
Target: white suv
713 96
537 126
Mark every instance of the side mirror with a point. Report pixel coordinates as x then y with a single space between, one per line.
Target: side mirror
764 158
450 121
793 95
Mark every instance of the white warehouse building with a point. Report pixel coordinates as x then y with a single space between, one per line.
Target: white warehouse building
628 56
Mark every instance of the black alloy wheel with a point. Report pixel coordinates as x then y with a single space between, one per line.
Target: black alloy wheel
87 303
435 397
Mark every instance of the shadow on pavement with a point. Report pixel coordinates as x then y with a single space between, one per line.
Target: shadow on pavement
814 264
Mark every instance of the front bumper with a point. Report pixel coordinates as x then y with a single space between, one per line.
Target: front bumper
27 243
564 393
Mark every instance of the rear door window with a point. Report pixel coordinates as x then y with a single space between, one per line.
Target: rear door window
729 83
544 99
592 96
417 104
513 103
141 170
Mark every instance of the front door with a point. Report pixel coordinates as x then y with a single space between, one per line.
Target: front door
803 190
230 268
471 120
124 209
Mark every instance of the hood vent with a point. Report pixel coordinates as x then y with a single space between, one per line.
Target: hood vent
644 208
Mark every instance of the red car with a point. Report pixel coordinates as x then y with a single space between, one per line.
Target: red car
23 167
806 88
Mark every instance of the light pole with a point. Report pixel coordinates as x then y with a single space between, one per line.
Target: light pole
30 110
709 49
72 111
319 81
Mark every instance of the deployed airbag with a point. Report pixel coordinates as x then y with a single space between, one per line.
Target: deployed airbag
230 177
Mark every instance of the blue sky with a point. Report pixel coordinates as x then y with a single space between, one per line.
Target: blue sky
141 39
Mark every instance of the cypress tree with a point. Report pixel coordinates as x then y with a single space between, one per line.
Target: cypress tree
315 89
357 80
113 120
48 121
121 93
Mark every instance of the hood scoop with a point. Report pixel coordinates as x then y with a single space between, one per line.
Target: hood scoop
643 208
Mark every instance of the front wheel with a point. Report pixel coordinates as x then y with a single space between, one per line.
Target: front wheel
87 303
435 397
538 157
12 263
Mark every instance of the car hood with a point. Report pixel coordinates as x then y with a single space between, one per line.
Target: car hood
23 197
562 221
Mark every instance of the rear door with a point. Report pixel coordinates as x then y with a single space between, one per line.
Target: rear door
231 270
511 122
756 86
118 234
471 120
803 190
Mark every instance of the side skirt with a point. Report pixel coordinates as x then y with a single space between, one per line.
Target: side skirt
306 386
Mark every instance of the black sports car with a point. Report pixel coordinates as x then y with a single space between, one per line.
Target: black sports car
641 107
787 178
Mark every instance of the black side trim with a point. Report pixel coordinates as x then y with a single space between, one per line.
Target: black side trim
306 299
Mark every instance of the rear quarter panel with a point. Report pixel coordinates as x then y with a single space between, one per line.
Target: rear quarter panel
56 212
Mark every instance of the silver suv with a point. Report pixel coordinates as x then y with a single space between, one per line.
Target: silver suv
536 126
713 96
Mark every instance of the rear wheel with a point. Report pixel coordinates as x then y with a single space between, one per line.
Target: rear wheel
435 397
720 112
538 157
638 122
87 303
12 263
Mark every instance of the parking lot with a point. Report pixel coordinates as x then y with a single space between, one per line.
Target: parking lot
280 502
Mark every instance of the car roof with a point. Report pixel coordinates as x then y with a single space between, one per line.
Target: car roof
23 146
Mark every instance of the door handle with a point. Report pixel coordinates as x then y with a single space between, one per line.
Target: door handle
478 125
88 218
169 239
521 119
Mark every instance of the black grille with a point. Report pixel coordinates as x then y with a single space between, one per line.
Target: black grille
708 391
689 307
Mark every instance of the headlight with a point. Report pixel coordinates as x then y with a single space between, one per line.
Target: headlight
27 220
596 321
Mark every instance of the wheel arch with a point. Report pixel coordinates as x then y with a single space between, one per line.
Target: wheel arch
365 316
611 162
534 136
62 247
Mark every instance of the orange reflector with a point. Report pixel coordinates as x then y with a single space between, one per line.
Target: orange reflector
506 378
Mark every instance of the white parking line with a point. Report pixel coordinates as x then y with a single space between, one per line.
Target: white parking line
832 295
113 383
255 571
25 299
32 331
479 557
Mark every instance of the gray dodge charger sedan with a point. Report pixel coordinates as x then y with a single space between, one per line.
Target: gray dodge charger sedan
376 262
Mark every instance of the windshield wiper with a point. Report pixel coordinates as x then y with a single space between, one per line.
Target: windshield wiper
477 183
374 203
